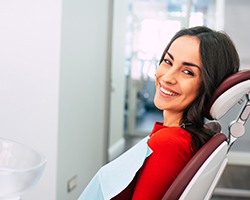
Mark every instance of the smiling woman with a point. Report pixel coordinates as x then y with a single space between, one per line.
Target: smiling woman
178 79
216 59
193 64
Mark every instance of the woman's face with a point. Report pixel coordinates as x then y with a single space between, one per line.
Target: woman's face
178 77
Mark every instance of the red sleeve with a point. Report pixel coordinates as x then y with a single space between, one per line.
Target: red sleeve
171 151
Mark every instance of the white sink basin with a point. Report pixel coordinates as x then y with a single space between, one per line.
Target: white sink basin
20 168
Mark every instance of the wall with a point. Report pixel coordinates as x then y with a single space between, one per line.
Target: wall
117 98
29 77
236 24
84 93
54 84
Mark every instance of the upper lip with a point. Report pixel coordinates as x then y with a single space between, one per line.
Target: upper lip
167 90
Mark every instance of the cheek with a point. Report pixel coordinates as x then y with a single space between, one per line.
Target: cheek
194 90
157 75
159 72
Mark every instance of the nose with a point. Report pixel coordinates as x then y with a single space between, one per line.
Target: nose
170 76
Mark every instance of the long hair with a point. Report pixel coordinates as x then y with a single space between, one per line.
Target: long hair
219 59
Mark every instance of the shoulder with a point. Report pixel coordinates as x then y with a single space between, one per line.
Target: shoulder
170 138
172 133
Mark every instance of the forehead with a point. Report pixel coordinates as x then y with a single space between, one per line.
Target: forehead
186 48
186 41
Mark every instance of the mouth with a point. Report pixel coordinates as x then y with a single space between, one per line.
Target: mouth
168 91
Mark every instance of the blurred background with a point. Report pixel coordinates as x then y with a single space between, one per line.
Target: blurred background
77 81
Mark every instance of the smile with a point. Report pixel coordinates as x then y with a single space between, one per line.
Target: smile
168 92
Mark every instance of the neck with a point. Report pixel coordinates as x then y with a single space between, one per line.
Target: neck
171 118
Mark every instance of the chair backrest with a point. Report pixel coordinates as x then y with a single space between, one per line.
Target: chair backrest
187 179
199 177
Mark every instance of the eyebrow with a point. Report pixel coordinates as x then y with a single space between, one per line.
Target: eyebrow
185 63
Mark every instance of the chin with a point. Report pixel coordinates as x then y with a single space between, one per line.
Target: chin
157 105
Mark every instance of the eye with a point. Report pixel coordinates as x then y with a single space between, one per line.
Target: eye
167 61
188 72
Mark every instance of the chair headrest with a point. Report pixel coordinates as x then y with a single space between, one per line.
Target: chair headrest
230 91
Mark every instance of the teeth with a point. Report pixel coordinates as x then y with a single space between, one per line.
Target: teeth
168 92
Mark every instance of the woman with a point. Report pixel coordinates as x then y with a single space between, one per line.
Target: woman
192 66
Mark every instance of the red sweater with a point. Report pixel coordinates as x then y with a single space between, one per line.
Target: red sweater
171 151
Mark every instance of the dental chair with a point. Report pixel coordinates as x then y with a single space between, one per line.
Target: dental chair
200 176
